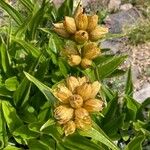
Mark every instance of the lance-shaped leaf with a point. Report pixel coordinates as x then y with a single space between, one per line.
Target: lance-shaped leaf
99 136
42 87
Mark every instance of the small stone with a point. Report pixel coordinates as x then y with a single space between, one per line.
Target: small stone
142 94
126 7
114 5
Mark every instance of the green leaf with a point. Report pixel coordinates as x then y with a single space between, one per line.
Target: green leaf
99 136
77 142
43 88
129 84
116 73
66 9
136 143
132 108
35 21
103 59
24 132
12 12
11 83
5 60
29 48
62 67
27 4
21 95
3 133
110 66
11 117
35 144
11 148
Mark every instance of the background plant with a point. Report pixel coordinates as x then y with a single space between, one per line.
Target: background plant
30 65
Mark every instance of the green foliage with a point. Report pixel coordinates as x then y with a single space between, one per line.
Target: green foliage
30 64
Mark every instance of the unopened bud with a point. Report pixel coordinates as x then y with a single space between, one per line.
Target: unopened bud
98 33
74 60
78 10
76 101
90 50
82 119
60 30
81 36
92 22
70 25
84 91
81 113
95 89
81 21
83 80
72 83
63 114
83 124
69 128
85 63
93 105
69 51
62 93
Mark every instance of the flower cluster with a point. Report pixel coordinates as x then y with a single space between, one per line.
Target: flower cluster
85 31
83 56
77 98
81 28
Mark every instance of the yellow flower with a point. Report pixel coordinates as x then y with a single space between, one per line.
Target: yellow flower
76 101
82 27
70 25
80 102
81 21
93 105
74 60
63 114
98 33
92 22
69 127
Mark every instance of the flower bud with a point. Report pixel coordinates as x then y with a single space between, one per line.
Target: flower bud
78 10
83 124
82 119
74 60
98 33
92 22
63 114
93 105
90 50
81 36
70 25
81 21
62 93
76 101
83 80
81 113
84 91
69 51
60 30
95 88
69 128
85 63
72 83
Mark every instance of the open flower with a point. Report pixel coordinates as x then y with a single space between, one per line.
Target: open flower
81 27
77 98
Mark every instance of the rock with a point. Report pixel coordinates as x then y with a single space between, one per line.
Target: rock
114 5
115 45
142 94
126 7
118 21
